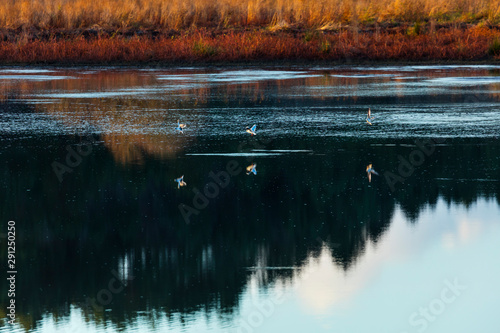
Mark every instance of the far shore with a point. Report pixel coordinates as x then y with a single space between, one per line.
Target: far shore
309 64
368 45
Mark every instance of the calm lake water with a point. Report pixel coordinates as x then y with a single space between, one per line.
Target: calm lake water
106 240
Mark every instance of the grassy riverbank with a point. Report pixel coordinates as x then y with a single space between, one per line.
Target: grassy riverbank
139 32
403 43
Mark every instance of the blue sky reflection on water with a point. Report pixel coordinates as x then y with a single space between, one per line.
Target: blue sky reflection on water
392 280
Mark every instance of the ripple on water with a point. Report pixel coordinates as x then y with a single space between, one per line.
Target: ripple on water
316 107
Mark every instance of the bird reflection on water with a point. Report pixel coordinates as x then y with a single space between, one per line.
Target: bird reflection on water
252 168
370 171
180 181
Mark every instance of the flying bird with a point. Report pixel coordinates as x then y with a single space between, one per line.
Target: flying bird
369 171
251 130
180 127
252 168
369 117
180 181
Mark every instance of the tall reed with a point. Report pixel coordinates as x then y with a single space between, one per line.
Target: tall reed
177 14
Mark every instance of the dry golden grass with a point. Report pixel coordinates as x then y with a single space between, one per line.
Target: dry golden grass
178 14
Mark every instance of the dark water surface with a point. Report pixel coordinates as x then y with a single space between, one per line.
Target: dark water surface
107 242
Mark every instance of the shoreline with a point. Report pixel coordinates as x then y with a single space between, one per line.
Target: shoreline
312 64
261 47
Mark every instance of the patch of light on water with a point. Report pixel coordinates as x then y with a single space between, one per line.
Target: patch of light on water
283 151
26 70
239 76
35 77
423 67
234 154
466 81
143 93
92 94
362 76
